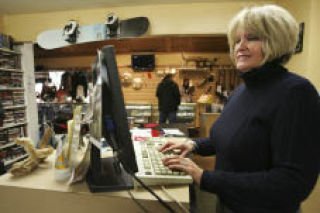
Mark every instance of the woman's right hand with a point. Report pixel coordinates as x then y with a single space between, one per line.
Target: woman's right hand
184 146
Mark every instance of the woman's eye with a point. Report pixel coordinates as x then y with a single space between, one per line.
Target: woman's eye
253 38
238 40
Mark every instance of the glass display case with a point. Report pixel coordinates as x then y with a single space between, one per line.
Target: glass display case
186 114
138 113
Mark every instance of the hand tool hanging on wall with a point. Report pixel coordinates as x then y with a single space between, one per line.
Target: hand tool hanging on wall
209 78
218 85
236 78
209 89
225 84
231 80
222 82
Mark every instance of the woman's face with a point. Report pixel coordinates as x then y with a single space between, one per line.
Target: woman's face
247 51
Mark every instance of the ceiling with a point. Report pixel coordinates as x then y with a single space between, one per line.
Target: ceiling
39 6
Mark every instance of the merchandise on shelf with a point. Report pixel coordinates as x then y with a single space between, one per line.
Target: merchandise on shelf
13 121
6 41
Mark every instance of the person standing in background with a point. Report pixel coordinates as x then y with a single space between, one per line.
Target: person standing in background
168 99
267 138
186 91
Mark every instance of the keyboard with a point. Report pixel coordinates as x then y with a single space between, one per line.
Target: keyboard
150 168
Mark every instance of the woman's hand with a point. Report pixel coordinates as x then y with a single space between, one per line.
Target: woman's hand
184 164
184 146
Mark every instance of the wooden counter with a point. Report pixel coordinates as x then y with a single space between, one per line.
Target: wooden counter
206 121
40 192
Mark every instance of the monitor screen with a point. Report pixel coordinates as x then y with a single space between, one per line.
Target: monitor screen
109 117
145 62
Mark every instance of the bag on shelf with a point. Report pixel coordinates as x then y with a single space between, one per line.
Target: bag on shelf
205 99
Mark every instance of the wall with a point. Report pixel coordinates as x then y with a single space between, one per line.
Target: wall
1 24
305 63
180 19
195 18
301 11
198 18
314 43
164 62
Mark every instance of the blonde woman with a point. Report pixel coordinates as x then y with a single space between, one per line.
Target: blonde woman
267 139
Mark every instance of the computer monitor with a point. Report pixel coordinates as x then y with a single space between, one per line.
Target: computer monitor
110 124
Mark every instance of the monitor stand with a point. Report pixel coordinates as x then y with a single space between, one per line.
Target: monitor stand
106 174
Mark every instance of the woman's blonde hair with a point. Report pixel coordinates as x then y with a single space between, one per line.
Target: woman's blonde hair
274 25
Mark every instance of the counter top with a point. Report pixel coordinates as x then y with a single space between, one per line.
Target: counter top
42 178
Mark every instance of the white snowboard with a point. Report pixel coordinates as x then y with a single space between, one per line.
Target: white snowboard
132 27
54 38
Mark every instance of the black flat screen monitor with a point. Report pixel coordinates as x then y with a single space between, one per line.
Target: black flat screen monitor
144 62
110 124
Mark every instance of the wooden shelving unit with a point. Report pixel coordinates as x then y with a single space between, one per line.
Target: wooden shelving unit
157 43
13 101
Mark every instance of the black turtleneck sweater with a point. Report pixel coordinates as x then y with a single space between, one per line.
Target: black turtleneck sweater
267 143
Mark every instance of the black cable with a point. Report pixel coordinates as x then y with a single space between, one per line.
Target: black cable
184 209
137 202
153 193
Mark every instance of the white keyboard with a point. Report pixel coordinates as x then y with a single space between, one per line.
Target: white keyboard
151 170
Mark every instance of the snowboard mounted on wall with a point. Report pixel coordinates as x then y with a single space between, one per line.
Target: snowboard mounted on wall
72 33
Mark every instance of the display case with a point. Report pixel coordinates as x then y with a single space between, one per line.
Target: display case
139 113
186 114
13 124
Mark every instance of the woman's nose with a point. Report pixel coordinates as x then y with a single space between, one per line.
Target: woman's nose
242 44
